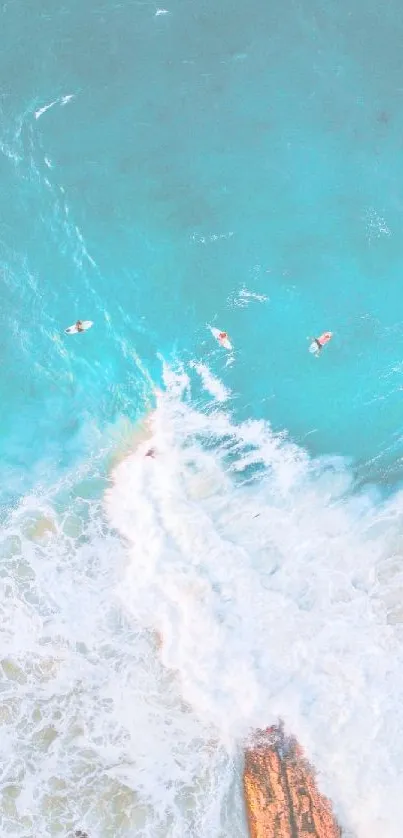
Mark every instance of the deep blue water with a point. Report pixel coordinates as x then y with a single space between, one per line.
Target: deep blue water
206 150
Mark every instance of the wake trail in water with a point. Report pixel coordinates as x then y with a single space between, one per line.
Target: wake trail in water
62 101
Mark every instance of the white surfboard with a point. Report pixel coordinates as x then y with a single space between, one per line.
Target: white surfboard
72 330
225 342
314 348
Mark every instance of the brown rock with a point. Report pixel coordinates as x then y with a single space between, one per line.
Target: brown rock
281 797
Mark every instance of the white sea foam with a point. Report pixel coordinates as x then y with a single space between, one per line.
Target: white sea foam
293 613
45 108
277 596
95 733
211 383
244 297
376 225
198 238
62 101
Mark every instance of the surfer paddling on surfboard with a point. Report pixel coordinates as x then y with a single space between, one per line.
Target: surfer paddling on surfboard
79 326
318 343
221 338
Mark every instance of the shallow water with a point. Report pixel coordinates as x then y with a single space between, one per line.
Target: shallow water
238 167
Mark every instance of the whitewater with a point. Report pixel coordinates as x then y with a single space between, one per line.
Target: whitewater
154 617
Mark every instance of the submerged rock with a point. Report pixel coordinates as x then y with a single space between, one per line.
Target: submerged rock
281 797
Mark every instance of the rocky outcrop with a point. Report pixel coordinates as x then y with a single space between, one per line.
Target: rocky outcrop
281 797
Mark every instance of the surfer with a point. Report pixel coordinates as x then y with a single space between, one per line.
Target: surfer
223 339
322 340
79 326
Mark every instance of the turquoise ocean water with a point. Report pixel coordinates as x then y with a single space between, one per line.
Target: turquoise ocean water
203 151
162 170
